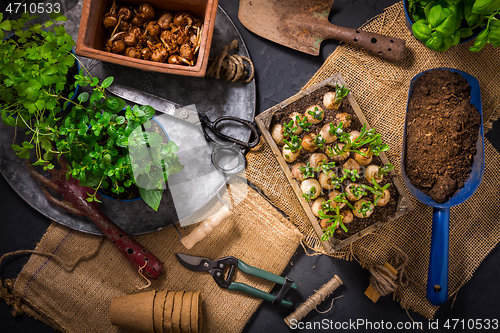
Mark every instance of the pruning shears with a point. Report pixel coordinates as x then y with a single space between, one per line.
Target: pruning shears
218 267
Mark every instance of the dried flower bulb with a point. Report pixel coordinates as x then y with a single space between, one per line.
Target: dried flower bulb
183 18
110 21
125 13
146 53
325 133
175 60
153 28
164 20
130 39
133 53
308 142
146 11
348 216
137 20
296 173
345 118
186 52
118 46
363 160
357 207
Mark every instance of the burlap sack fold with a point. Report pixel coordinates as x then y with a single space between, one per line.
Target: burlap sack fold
76 298
381 90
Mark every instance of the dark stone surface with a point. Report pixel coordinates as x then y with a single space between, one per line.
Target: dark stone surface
281 72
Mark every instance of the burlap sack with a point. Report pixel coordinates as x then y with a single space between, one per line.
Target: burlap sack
381 90
71 280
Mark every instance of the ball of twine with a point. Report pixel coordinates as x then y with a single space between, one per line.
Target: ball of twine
314 300
231 67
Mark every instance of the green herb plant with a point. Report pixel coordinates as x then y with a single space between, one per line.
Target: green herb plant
98 139
334 220
443 23
33 76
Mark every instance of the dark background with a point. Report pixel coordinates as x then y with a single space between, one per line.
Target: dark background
281 72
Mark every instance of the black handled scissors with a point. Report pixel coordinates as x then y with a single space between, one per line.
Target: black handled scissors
227 145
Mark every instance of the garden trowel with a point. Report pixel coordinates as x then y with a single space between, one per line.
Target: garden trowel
303 25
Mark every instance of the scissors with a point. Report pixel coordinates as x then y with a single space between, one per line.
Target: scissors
225 144
218 267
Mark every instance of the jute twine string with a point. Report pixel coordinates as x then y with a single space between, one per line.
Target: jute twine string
314 300
231 67
7 286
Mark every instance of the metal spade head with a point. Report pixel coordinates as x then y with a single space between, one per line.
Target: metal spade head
437 283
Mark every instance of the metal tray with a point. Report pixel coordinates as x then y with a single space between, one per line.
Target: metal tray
213 97
265 121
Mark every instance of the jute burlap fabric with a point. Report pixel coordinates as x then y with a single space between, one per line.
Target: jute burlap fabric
381 89
70 282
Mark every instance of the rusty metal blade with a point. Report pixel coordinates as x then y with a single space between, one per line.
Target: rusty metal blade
303 24
271 19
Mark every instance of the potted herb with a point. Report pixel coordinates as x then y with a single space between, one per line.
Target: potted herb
37 65
106 149
442 24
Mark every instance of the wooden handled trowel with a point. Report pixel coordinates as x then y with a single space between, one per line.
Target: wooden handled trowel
303 25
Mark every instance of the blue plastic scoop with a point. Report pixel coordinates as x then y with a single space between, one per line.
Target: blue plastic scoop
437 280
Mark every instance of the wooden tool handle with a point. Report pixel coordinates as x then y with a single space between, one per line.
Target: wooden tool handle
389 48
206 227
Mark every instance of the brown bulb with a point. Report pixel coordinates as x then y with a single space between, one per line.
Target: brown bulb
125 13
130 39
174 60
153 28
110 21
186 52
118 46
165 20
147 11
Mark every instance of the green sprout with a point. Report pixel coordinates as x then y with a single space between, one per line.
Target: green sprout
365 208
342 198
326 166
308 171
303 123
334 220
357 191
336 129
351 174
294 144
289 129
316 113
384 170
309 195
377 190
340 93
319 141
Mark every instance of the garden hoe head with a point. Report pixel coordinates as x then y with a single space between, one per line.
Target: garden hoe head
437 281
303 25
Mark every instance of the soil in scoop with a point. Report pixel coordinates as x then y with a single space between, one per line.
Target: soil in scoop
316 97
441 134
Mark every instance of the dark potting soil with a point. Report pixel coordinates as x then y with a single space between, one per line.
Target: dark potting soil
441 134
316 97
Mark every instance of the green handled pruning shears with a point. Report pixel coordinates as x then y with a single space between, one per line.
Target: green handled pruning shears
217 270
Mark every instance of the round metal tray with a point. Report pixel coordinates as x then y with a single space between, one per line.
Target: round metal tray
212 97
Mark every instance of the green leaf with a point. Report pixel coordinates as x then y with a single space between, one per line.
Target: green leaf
465 32
447 27
152 197
120 120
486 7
29 89
107 82
434 42
437 15
494 36
480 41
83 97
8 82
421 30
115 104
471 17
149 112
5 25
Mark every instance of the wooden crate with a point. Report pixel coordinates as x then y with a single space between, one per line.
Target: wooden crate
265 121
